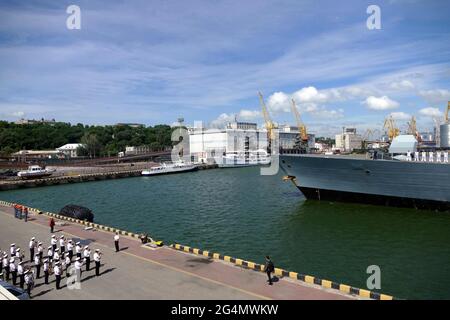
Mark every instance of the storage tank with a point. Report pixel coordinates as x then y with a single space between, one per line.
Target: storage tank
445 135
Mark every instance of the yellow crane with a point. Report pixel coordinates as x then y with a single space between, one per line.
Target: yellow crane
412 128
270 126
300 125
392 130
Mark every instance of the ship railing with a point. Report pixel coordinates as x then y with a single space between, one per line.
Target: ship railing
430 157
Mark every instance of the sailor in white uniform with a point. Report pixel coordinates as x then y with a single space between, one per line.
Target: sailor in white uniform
37 265
78 249
87 257
431 156
62 245
40 251
13 270
5 264
408 156
19 255
12 250
445 157
68 263
46 268
29 281
56 255
438 156
424 156
116 241
78 266
70 249
57 271
32 245
53 242
97 258
50 254
20 274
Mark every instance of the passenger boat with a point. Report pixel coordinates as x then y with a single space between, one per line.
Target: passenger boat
34 172
164 168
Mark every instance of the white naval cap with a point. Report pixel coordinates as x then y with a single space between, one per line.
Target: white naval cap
97 250
57 262
13 244
18 249
45 260
21 262
49 247
56 249
78 242
62 236
77 259
86 247
39 243
11 260
33 238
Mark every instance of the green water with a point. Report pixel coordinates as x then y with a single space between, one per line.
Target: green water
239 213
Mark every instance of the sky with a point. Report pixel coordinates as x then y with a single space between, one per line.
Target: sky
153 61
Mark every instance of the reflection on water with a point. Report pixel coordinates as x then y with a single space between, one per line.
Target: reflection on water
240 213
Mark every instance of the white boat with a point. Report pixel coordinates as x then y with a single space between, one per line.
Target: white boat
34 172
235 159
164 168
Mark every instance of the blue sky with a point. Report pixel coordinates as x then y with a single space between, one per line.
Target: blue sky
152 61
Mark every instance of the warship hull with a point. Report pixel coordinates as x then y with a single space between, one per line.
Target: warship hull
379 182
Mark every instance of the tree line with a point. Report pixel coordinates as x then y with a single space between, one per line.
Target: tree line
99 140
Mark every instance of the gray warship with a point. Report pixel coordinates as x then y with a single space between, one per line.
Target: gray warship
379 181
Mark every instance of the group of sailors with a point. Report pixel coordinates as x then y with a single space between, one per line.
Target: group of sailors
441 156
59 259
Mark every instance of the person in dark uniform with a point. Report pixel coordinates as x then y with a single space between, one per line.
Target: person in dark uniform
51 224
20 273
268 269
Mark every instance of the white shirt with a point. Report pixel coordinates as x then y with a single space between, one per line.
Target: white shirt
32 244
69 246
50 252
36 260
28 278
96 257
67 260
53 241
78 265
45 266
57 270
19 269
18 254
12 266
116 237
5 262
39 249
12 251
78 249
87 253
62 243
56 256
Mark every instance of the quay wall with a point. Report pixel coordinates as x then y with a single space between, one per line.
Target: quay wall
50 181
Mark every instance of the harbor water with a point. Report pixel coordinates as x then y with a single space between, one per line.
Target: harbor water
240 213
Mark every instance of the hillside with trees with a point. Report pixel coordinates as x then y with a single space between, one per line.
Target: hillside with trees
100 140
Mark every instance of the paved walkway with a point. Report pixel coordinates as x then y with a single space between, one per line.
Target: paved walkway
139 272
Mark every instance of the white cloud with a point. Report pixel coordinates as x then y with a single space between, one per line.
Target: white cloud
436 95
18 114
402 85
381 103
400 116
431 112
279 102
222 120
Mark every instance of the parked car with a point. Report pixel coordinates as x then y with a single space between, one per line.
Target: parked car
17 292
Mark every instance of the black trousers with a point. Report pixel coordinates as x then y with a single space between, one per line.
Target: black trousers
58 281
41 254
14 277
22 280
46 276
7 273
88 263
79 255
67 270
54 247
269 276
38 271
63 249
97 268
116 243
70 254
51 229
29 289
31 254
1 267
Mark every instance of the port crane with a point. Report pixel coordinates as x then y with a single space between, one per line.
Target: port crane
392 130
412 129
448 111
270 126
301 127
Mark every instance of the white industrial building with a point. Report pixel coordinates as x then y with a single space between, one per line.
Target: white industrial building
348 140
239 137
289 135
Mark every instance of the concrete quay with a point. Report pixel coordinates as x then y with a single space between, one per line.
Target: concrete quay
142 272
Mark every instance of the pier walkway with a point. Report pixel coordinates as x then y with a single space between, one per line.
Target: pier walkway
140 272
